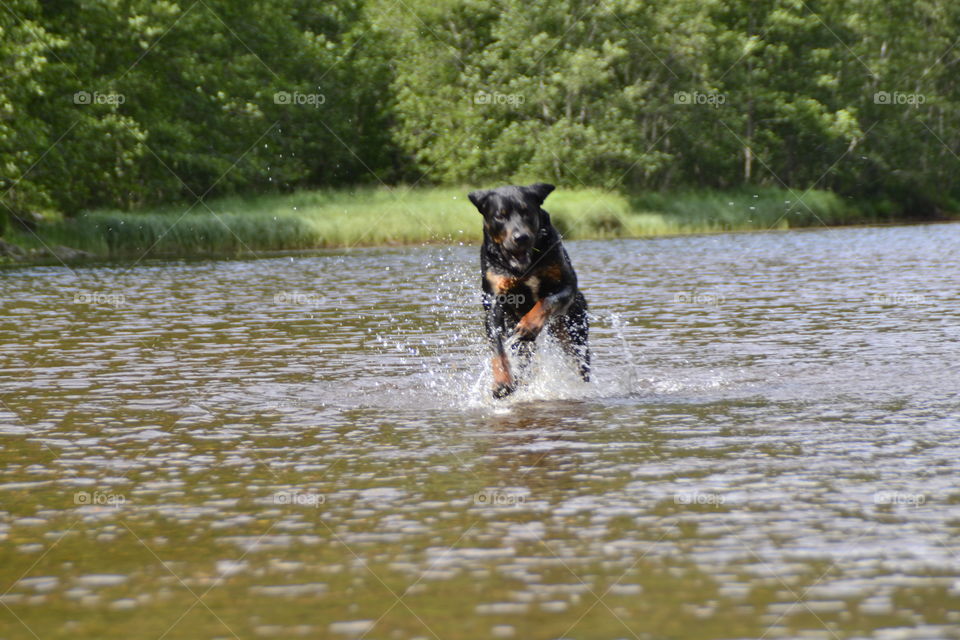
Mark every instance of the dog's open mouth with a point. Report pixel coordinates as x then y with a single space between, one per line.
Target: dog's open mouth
519 258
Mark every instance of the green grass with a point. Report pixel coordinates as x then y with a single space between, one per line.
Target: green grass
381 216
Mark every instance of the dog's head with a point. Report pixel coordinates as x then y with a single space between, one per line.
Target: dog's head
512 219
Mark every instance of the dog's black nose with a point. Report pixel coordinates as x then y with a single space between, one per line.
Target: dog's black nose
521 239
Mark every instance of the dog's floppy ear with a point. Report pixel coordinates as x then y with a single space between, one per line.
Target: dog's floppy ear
540 191
479 199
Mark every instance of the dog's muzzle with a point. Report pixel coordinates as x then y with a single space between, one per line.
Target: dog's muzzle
519 250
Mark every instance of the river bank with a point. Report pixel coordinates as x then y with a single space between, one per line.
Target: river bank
401 216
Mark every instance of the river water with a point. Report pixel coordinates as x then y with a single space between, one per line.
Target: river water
305 446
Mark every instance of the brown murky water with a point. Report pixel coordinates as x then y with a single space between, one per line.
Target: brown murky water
304 447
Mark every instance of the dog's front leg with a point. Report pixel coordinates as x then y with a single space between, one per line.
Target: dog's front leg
503 384
533 322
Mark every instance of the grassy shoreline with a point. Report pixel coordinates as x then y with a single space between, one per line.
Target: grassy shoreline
383 217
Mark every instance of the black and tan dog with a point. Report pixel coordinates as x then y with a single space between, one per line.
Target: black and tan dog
528 282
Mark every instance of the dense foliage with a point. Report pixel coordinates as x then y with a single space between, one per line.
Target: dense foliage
122 103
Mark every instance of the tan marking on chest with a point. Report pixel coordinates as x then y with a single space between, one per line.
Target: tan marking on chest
533 282
504 284
551 272
500 283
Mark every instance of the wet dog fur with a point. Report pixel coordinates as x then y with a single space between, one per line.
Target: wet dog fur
529 284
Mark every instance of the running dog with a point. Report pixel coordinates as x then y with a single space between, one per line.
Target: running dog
528 282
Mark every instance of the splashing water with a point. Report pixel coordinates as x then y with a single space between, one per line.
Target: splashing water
447 359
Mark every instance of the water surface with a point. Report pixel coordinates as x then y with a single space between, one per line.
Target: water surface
304 447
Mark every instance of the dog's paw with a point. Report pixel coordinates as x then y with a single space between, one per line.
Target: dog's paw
502 390
526 331
532 323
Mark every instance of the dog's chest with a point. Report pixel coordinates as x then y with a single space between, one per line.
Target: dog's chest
508 289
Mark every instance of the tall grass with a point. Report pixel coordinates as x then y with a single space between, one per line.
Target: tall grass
381 216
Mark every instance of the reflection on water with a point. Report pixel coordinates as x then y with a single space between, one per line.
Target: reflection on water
304 446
